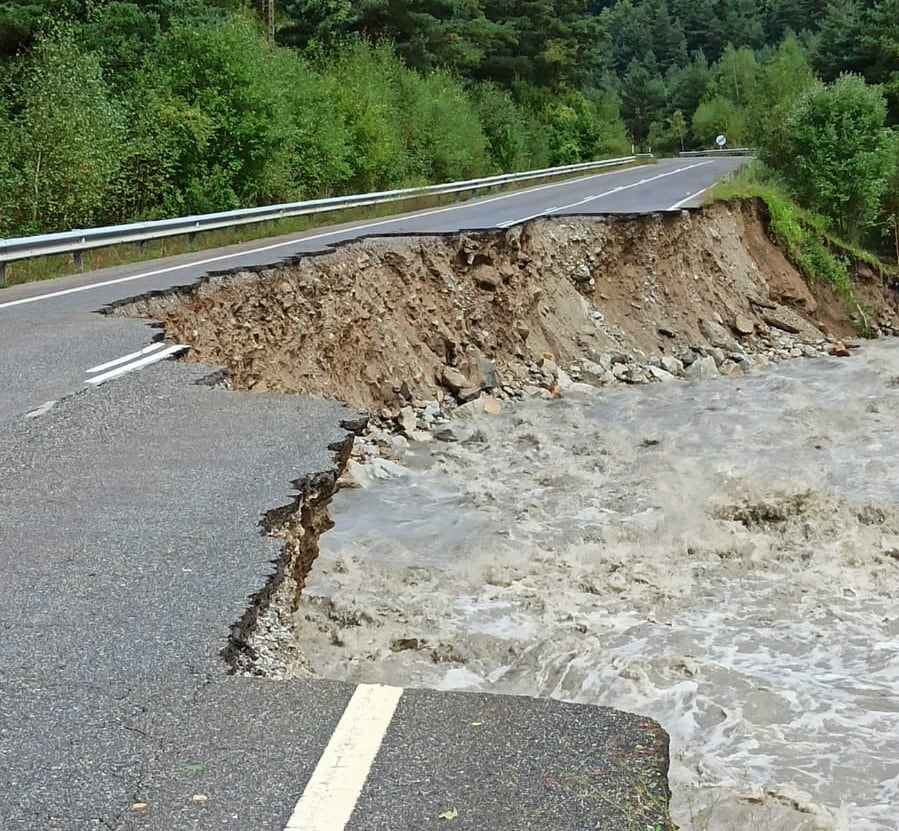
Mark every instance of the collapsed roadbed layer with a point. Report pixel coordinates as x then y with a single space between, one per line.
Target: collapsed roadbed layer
385 321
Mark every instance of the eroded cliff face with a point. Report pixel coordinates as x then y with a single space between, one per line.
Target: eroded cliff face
381 322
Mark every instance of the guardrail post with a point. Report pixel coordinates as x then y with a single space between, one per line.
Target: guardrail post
77 263
2 274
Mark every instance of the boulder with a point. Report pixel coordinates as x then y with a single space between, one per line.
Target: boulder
703 367
744 325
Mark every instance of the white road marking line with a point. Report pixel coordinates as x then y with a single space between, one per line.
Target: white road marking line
686 199
39 411
293 242
125 358
509 223
331 794
152 358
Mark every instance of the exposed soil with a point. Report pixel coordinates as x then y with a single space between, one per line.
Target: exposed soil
375 323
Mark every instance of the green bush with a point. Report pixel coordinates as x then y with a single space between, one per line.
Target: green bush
837 153
442 131
363 91
515 138
65 141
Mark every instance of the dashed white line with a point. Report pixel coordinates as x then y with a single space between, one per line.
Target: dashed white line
331 794
293 242
42 410
612 192
686 199
509 223
125 358
152 358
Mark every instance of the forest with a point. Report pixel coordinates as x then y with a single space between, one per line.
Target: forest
119 111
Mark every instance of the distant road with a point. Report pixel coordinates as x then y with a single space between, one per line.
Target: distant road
130 545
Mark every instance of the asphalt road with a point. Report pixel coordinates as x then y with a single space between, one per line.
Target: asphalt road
130 545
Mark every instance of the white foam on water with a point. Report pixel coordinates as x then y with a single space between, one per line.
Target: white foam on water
721 557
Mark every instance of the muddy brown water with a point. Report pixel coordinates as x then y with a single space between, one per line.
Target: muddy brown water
722 556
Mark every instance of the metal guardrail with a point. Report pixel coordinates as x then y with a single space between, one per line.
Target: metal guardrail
75 241
730 151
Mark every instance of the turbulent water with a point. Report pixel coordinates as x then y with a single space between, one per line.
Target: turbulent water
722 556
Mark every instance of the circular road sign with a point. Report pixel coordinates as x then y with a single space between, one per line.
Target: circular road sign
721 140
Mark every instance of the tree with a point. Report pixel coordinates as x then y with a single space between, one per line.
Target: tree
716 116
781 81
642 97
67 135
224 71
837 159
670 136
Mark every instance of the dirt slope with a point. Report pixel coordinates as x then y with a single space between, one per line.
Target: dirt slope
385 321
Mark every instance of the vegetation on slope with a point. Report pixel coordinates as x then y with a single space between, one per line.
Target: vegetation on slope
116 111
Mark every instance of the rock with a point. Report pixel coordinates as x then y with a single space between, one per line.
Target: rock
667 331
472 410
660 374
563 379
386 469
420 436
398 445
431 409
620 371
783 325
839 350
744 325
359 474
365 475
714 332
703 368
452 379
454 432
581 273
487 277
407 420
671 365
629 374
889 545
548 365
592 369
468 393
581 388
491 405
718 355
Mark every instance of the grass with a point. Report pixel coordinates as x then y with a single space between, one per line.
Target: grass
819 256
44 268
642 805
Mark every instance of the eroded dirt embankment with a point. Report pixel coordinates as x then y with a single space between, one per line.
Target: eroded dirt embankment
384 322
